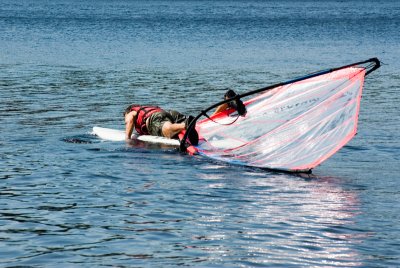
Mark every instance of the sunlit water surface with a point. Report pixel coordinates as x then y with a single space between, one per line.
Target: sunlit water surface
71 199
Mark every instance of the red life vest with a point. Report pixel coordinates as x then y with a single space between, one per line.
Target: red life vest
143 112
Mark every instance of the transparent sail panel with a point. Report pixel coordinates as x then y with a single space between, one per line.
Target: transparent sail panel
293 127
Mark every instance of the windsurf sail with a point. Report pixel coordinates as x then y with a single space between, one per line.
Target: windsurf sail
292 126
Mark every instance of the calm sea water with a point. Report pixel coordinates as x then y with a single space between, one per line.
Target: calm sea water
69 199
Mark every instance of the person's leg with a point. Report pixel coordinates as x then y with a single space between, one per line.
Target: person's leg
180 118
170 130
156 122
162 124
177 117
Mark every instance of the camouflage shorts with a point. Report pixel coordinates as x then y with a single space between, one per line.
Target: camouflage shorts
157 120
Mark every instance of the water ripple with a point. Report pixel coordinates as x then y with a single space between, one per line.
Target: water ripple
71 199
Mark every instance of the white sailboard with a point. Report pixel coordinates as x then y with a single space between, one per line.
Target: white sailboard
119 135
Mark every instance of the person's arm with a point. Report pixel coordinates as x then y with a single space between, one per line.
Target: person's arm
129 124
221 108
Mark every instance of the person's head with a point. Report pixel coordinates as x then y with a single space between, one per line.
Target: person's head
236 104
127 110
229 93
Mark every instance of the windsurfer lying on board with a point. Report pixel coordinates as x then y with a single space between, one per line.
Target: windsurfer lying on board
152 120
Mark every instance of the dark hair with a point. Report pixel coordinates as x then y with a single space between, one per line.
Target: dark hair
127 110
229 93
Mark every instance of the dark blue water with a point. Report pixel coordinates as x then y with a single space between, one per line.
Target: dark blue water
69 199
